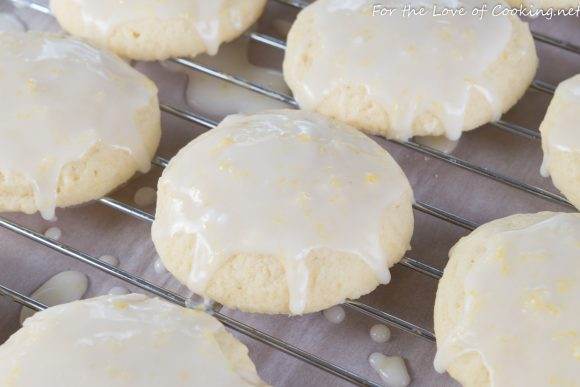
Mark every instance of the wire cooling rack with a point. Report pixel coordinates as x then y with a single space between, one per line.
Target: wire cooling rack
417 265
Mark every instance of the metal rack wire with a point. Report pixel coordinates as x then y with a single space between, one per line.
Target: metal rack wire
358 306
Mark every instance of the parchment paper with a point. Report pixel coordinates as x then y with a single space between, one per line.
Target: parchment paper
98 230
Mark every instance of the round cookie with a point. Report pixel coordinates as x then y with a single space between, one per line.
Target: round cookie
561 139
401 76
129 340
508 302
282 212
157 30
78 122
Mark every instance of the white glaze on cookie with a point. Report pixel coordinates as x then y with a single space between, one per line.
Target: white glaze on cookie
64 97
281 183
126 340
107 15
410 65
564 133
522 300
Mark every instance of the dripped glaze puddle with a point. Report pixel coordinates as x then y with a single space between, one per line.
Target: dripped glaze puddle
335 314
391 369
118 291
218 98
145 197
110 260
380 333
53 233
159 267
64 287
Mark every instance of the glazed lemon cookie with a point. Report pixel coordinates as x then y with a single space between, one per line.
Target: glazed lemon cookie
401 76
128 340
506 312
561 139
156 30
282 212
76 122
